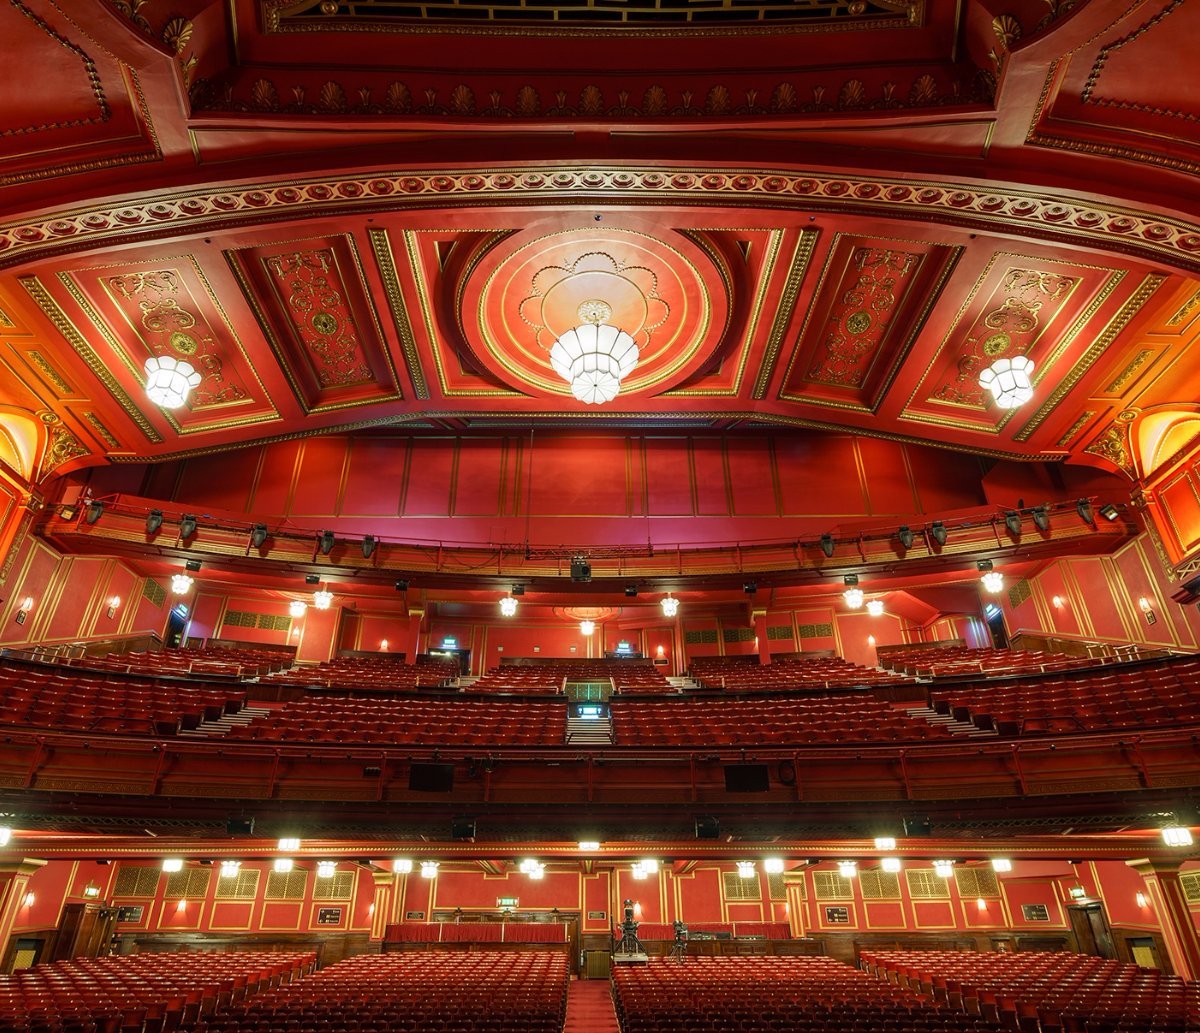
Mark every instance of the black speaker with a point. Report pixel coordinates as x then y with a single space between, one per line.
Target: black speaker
581 570
239 827
708 827
747 778
431 778
918 828
463 828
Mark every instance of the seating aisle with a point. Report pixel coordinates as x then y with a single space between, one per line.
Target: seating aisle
590 1007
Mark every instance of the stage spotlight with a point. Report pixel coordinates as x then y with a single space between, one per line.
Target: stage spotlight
937 531
93 511
187 527
581 570
1084 508
631 591
827 544
258 536
517 590
154 521
325 542
906 537
1012 520
1041 518
1109 511
368 546
192 565
749 588
401 586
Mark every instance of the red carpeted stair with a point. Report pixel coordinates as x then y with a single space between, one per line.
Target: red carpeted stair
590 1007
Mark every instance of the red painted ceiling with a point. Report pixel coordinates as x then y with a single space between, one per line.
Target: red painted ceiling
819 214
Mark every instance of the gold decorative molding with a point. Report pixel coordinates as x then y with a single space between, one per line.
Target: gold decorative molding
50 309
1112 446
1123 378
1131 308
1098 225
49 372
61 447
106 435
784 311
1075 428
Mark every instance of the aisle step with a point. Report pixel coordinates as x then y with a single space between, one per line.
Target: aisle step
590 1007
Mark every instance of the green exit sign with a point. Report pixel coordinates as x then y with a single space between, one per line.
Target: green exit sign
507 901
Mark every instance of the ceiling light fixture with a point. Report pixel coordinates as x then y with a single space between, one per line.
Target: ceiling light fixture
326 869
508 606
283 865
181 584
402 866
169 380
885 843
289 843
670 606
943 869
875 607
745 869
230 869
993 581
589 844
1177 835
297 607
172 864
429 869
890 864
773 865
5 835
853 594
1001 864
847 869
594 357
322 599
587 627
1009 381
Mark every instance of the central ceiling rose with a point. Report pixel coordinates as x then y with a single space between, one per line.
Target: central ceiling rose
594 357
585 313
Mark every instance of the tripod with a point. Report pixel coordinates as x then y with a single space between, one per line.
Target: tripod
630 944
679 949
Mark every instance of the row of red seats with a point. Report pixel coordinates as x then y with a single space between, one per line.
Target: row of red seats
57 697
960 661
852 717
381 673
1102 700
784 994
142 993
410 720
475 992
628 676
192 663
746 674
1046 992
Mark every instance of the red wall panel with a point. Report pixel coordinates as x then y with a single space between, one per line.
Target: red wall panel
819 475
752 477
484 471
668 477
375 478
430 478
318 488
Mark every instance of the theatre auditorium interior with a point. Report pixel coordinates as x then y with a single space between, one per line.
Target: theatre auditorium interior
599 516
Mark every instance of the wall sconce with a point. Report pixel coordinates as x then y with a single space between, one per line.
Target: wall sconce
23 609
1144 604
371 909
114 603
1140 898
981 904
30 900
661 651
1147 609
870 640
1058 602
383 644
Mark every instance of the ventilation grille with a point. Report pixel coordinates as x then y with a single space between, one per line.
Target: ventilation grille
286 885
776 887
701 637
977 882
1191 886
879 885
738 634
191 882
737 888
266 621
153 591
141 881
340 887
775 632
816 631
833 886
243 886
1019 593
926 884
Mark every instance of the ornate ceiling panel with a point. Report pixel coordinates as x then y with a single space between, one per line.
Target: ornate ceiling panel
870 305
314 309
1020 304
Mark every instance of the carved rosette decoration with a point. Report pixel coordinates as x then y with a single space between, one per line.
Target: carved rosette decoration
321 316
861 316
